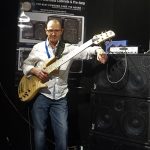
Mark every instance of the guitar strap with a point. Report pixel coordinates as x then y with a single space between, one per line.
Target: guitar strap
60 49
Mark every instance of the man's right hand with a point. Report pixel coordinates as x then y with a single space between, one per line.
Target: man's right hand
40 73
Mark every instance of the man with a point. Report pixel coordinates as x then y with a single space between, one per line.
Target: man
52 101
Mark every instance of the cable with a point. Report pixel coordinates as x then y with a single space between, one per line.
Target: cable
12 104
125 70
30 134
15 108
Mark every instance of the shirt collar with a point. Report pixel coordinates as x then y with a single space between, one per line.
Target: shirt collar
47 43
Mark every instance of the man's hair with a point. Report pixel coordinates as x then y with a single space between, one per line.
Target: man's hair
56 20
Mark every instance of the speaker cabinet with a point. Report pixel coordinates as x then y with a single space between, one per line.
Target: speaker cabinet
121 117
125 75
104 143
79 116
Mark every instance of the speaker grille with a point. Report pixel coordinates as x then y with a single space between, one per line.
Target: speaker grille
121 117
135 82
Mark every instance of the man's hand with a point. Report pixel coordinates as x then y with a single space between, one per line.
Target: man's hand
101 56
40 73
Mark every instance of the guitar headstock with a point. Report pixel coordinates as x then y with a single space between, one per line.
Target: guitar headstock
102 37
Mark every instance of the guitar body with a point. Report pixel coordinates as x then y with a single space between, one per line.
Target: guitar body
29 87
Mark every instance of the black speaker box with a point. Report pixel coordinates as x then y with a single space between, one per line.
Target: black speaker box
125 75
98 142
79 116
121 117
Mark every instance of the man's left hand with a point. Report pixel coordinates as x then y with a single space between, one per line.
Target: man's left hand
102 56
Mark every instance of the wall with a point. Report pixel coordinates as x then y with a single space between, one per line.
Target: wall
128 19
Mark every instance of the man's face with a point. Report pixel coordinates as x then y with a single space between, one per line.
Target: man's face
54 31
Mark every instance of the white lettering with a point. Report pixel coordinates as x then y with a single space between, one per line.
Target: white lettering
75 2
63 1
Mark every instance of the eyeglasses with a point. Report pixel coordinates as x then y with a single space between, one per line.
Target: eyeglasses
52 31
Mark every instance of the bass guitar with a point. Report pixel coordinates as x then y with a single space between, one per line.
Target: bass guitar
29 86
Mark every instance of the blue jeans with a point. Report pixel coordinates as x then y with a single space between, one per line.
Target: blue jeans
58 111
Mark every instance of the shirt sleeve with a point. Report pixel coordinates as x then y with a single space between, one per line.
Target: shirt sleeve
30 61
88 53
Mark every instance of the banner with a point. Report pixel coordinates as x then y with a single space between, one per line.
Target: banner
72 7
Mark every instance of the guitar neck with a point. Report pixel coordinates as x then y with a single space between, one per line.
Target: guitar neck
67 57
96 40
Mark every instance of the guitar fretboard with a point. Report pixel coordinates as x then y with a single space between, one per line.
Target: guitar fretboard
96 40
67 57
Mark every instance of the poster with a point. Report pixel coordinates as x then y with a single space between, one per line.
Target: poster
72 7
